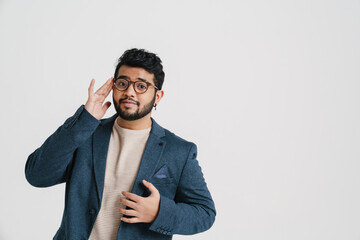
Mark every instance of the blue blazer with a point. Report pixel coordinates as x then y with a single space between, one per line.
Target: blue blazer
76 154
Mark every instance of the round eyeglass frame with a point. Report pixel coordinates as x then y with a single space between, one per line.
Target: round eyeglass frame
133 83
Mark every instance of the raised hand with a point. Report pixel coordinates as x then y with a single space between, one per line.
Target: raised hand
95 103
143 209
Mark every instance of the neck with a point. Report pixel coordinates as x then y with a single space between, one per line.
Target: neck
139 124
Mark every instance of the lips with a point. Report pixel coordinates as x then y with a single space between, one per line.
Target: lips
128 103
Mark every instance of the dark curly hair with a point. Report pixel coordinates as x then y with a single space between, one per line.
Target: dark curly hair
141 58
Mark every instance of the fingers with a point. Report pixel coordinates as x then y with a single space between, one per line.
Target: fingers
128 203
127 212
131 196
105 92
130 220
105 88
143 209
91 87
150 186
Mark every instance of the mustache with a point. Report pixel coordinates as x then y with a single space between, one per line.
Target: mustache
129 99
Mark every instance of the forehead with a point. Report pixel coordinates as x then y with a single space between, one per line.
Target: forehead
134 73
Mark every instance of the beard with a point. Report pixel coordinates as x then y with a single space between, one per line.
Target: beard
124 114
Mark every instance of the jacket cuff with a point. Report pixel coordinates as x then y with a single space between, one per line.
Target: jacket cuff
164 221
81 124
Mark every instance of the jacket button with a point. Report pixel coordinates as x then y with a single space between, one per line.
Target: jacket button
92 211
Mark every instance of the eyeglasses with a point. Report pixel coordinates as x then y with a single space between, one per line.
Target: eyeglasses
140 86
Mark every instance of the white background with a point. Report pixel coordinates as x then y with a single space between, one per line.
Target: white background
268 90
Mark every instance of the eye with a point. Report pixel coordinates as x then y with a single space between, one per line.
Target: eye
121 83
141 86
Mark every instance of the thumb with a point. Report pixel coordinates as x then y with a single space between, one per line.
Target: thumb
150 186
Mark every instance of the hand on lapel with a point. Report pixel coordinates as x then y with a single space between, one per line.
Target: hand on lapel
142 209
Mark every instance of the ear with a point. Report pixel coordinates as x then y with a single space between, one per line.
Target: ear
159 95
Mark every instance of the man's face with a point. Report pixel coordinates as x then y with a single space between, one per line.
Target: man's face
129 104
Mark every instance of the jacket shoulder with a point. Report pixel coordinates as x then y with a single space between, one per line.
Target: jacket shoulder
179 142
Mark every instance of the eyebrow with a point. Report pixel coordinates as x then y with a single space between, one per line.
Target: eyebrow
127 78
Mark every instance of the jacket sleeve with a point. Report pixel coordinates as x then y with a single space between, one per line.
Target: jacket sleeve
47 165
193 210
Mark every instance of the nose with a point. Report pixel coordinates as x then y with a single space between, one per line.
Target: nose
130 91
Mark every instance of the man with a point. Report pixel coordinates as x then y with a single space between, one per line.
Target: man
126 176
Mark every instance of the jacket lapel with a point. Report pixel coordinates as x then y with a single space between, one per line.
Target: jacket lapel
151 156
101 139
